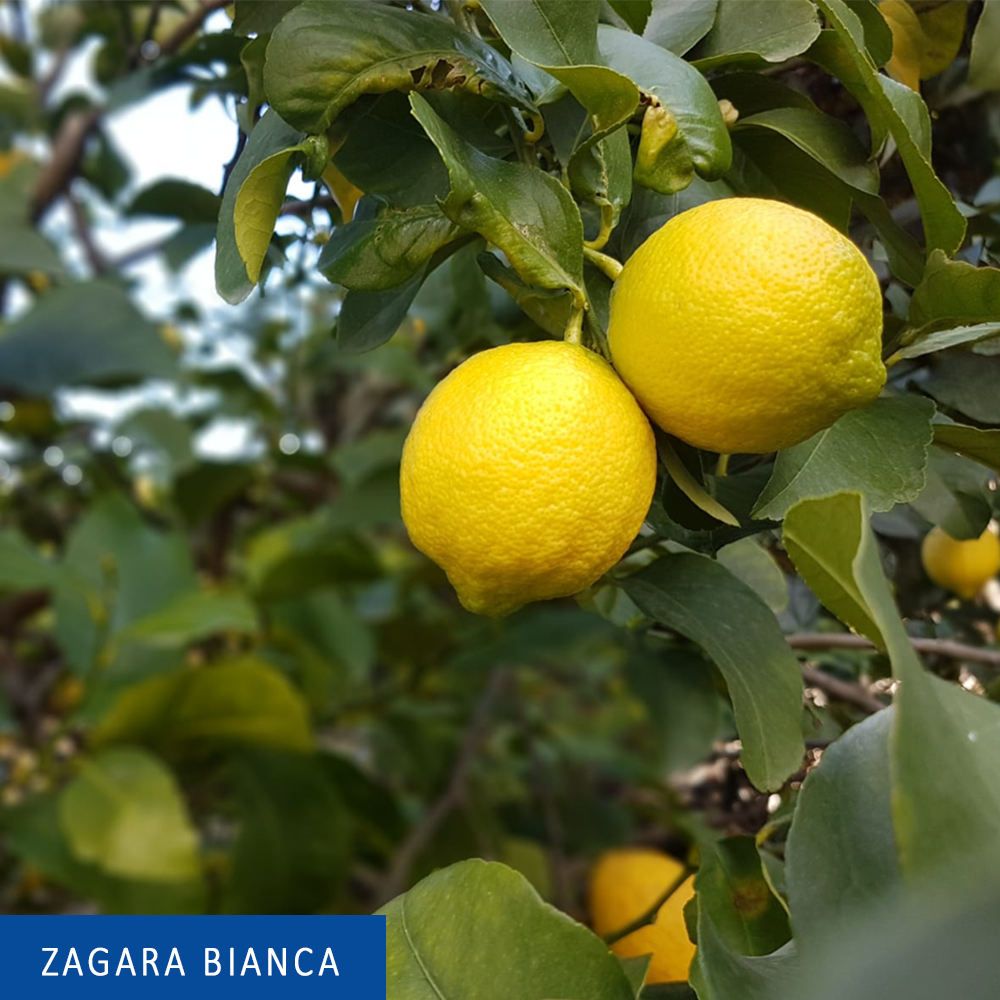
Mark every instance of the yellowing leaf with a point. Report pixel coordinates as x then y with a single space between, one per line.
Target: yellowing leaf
345 194
944 27
907 42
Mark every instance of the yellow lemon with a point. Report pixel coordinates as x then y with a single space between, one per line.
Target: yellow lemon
527 474
961 566
747 325
623 886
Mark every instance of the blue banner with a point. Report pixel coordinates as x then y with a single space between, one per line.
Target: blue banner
191 957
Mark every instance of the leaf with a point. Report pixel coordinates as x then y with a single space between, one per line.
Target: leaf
695 137
954 293
368 319
731 886
374 253
757 29
980 445
880 450
821 541
676 25
290 854
907 42
704 602
81 334
177 199
750 562
548 307
322 57
267 157
827 140
485 909
22 566
891 106
560 36
690 486
260 17
524 212
984 68
190 617
940 340
185 713
967 383
944 30
957 495
124 814
841 853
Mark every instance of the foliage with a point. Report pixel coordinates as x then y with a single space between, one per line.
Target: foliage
229 684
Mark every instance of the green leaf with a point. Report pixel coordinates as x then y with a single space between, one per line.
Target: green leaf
246 219
260 17
524 212
322 57
696 138
731 887
487 910
376 252
191 617
368 319
692 594
124 814
980 445
754 30
22 566
750 562
290 854
984 68
560 36
967 383
827 140
111 343
880 450
676 25
601 174
550 308
957 495
877 33
177 199
822 540
954 293
184 714
841 853
891 107
984 334
690 486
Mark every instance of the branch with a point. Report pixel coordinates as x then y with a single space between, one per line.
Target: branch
421 835
846 691
187 28
936 647
81 225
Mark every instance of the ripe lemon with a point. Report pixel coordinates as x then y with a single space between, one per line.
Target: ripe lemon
961 566
747 325
527 474
623 886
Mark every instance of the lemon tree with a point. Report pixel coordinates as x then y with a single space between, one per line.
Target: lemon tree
570 531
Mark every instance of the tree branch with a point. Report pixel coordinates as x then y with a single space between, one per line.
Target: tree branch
936 647
845 691
189 27
81 225
420 836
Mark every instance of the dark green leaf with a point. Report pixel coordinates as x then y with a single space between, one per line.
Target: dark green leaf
550 308
957 495
250 205
176 199
984 67
752 30
981 445
526 213
700 141
322 57
190 617
185 713
260 17
678 24
841 853
374 253
967 383
22 566
955 293
431 931
124 814
692 595
880 450
368 319
601 174
82 334
291 852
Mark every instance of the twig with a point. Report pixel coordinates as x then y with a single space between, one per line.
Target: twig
81 225
649 915
304 209
421 835
846 691
936 647
187 28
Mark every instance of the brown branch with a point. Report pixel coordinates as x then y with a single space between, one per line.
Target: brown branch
935 647
303 209
189 27
420 836
845 691
81 225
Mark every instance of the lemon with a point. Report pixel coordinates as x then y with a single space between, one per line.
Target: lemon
747 325
961 566
527 474
623 886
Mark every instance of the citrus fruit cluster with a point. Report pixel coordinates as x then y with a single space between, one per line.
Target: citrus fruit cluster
624 886
742 325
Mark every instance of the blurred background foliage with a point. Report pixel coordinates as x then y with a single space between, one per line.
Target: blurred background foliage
227 682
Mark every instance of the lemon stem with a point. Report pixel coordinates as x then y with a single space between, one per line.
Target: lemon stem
608 265
607 224
722 466
650 915
574 328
